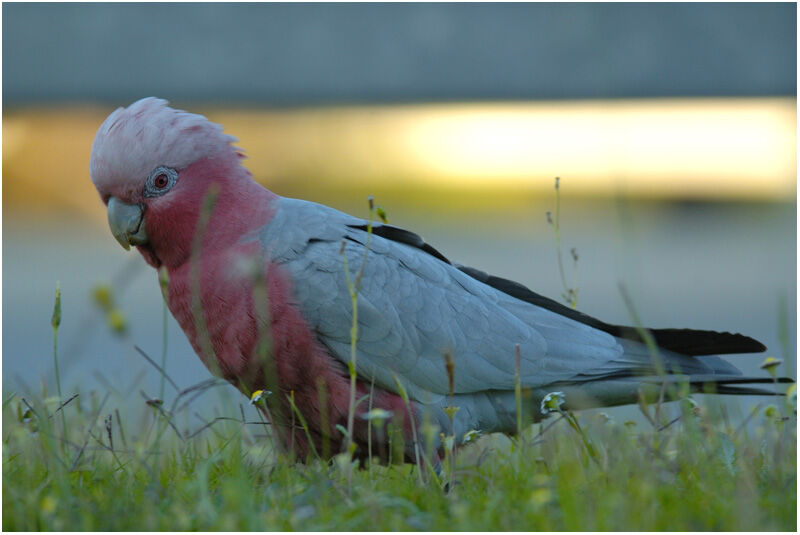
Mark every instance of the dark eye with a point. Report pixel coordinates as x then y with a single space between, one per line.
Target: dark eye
160 181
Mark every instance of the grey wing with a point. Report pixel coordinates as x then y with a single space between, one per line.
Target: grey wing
413 308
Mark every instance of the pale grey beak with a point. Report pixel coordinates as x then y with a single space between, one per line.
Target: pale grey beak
127 223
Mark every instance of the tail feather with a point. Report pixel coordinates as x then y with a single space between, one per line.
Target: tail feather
716 384
697 342
608 392
684 341
744 391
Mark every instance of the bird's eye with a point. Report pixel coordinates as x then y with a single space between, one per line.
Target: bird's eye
160 181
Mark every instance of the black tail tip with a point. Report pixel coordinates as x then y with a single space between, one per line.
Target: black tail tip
700 343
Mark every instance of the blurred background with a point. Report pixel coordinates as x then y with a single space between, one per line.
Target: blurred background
671 126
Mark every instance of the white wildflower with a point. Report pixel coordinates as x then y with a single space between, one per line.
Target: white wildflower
552 402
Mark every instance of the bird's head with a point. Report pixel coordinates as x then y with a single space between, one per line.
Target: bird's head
152 166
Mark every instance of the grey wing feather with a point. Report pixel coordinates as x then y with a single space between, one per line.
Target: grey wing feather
413 308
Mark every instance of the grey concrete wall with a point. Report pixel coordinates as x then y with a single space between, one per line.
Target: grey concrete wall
296 53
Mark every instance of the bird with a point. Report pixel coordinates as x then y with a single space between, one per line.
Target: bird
266 288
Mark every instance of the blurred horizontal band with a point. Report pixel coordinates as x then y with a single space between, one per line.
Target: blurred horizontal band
703 148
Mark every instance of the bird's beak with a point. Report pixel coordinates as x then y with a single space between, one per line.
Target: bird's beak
127 223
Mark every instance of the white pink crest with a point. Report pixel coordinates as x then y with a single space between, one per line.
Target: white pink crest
133 141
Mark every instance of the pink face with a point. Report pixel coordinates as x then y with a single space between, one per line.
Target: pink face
160 218
152 166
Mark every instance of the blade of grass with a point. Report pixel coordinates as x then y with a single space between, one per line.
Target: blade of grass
55 322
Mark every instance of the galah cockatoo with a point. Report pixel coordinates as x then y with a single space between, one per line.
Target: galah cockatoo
258 284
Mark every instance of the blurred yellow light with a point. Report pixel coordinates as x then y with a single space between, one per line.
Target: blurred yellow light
705 147
674 148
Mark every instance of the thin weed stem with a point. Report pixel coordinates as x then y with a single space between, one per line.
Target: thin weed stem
55 322
303 424
163 280
570 294
353 287
324 418
590 448
404 396
369 428
450 410
652 348
783 332
198 314
160 369
264 356
518 388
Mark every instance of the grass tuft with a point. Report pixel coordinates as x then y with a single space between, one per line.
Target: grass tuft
699 475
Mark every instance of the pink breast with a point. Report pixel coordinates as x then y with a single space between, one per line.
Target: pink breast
304 367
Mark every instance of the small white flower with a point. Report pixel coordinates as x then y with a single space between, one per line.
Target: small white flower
552 402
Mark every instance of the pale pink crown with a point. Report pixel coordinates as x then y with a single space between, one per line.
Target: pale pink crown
133 141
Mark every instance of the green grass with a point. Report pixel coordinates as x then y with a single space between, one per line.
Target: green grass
697 474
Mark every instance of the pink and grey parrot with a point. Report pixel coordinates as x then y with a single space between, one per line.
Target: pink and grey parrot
258 284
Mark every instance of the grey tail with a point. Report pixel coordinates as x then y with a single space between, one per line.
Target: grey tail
738 385
612 391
